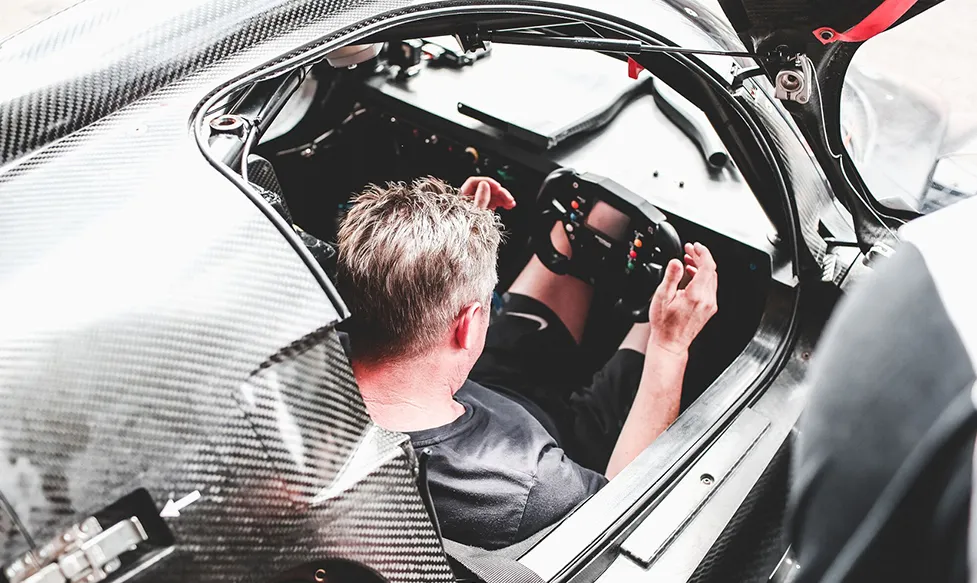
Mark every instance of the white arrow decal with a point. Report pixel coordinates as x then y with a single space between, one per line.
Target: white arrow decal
172 509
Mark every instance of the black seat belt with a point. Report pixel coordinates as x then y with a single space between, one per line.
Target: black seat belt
498 566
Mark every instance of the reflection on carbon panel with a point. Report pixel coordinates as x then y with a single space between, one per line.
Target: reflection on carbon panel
287 463
142 292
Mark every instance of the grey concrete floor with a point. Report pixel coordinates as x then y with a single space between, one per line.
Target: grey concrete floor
936 49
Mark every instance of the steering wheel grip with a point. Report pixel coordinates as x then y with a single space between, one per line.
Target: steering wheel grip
667 239
549 216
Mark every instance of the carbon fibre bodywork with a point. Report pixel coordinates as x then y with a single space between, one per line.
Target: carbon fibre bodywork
162 330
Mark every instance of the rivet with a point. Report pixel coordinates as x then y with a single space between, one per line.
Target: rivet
707 479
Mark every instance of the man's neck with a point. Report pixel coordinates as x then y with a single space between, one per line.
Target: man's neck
410 394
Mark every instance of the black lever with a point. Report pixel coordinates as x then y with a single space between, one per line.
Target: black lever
694 123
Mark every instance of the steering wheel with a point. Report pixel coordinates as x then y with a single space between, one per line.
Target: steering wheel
631 262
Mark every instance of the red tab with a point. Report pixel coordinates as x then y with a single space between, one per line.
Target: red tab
878 21
634 68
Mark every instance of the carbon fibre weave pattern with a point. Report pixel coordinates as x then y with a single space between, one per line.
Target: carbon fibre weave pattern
142 293
289 467
812 193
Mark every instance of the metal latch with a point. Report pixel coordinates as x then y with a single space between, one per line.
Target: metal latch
795 81
84 553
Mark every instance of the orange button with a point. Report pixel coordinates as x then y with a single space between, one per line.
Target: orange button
638 243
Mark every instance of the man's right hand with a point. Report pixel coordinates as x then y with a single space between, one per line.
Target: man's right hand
487 193
678 315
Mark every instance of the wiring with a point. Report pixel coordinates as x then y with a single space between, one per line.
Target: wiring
317 141
839 158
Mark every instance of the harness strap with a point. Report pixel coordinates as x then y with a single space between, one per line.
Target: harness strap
879 20
498 566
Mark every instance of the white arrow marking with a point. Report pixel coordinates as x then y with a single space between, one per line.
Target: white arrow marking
172 509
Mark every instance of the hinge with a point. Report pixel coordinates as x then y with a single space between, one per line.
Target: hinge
795 80
83 553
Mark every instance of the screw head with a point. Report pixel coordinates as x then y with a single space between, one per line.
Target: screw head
707 479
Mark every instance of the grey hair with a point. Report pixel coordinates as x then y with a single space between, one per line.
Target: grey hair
411 257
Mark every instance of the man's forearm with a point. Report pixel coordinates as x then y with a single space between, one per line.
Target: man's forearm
655 406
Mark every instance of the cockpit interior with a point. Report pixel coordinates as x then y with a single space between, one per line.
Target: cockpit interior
425 107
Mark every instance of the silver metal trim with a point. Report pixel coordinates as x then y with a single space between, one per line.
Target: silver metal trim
643 480
704 478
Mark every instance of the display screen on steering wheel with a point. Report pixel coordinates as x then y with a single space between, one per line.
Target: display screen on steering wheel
625 249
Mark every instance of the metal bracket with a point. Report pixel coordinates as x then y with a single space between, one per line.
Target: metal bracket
83 553
795 81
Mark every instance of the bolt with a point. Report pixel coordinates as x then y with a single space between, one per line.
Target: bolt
307 153
791 82
707 479
320 575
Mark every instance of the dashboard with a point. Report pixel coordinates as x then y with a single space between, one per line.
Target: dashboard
395 127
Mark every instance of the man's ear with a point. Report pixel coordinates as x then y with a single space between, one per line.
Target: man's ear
468 326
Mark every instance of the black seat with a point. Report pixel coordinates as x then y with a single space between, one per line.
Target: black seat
261 174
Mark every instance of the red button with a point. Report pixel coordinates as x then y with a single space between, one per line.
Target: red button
574 204
633 254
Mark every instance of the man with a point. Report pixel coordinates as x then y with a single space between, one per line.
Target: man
417 264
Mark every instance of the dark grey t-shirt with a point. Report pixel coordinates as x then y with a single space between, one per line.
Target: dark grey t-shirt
496 475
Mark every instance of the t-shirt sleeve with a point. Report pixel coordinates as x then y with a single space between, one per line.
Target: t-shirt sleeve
558 487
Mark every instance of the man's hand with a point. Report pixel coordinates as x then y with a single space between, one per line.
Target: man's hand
678 315
487 193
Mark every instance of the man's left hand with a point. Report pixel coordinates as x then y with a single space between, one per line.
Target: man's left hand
487 193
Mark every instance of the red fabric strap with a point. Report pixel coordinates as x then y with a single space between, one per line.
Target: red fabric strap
634 68
879 20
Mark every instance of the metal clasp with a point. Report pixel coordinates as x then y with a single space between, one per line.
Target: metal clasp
795 81
84 553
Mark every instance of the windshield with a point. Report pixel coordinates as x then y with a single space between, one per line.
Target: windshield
908 116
